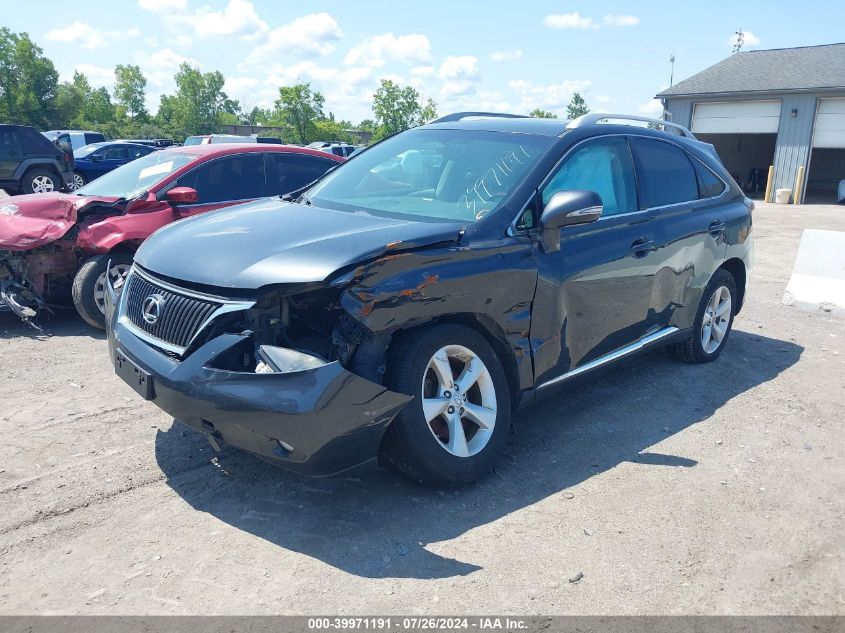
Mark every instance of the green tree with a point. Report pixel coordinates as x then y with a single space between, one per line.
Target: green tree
98 107
71 97
198 105
298 108
577 107
130 89
539 113
28 81
396 109
257 116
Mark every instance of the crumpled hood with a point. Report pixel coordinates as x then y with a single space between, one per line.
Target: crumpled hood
30 221
270 242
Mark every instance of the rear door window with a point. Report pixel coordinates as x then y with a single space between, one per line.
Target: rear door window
288 171
237 177
664 173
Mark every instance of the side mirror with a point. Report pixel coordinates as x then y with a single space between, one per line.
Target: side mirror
96 157
182 195
565 209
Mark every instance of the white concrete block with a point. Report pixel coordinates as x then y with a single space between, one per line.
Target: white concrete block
818 277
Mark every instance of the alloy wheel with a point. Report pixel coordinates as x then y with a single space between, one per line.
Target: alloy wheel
117 274
716 320
76 182
459 400
42 184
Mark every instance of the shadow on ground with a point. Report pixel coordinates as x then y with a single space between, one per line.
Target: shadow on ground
377 526
63 322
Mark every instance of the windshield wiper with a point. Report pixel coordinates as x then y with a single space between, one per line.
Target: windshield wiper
298 195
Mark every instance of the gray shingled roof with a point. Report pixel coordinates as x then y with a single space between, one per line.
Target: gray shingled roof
806 68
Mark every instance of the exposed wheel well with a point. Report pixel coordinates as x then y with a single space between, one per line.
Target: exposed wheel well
736 267
484 326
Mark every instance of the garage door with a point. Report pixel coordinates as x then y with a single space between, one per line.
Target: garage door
736 117
830 124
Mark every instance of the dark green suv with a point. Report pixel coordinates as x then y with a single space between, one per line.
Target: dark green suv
30 163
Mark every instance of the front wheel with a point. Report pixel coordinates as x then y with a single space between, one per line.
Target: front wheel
89 285
713 321
458 423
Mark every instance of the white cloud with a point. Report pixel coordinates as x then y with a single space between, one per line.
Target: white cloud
457 89
749 40
97 75
461 68
506 56
238 18
239 85
621 20
86 35
163 6
554 97
569 21
166 59
652 108
422 71
311 35
377 50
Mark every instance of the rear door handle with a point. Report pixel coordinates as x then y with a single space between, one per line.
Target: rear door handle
642 247
716 228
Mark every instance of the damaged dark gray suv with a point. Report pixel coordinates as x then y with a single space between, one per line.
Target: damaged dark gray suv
401 308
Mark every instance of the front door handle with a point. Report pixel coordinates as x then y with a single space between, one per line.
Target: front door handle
716 228
642 247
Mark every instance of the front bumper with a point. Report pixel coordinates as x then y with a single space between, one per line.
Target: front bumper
333 419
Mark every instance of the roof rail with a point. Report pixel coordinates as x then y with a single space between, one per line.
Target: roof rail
592 119
458 116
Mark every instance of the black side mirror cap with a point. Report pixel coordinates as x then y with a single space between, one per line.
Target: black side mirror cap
566 208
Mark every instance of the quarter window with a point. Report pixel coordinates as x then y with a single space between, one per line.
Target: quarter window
664 173
604 166
709 185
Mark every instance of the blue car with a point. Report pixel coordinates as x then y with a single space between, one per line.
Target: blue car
95 159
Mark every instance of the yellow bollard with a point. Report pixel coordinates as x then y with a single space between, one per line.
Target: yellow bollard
799 183
770 181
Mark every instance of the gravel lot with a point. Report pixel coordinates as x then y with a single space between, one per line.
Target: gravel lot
671 488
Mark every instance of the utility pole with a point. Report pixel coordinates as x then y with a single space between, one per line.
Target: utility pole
740 40
672 69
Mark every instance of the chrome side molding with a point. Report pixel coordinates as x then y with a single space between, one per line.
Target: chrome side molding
607 358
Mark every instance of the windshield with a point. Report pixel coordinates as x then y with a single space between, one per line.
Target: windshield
194 140
454 174
136 177
86 150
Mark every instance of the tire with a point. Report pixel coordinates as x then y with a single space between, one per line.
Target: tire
77 181
693 349
429 452
88 285
41 180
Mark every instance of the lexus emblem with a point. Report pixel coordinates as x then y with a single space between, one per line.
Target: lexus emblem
151 308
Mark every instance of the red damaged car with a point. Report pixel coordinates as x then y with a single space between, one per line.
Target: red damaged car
56 247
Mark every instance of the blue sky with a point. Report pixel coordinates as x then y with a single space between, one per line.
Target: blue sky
494 55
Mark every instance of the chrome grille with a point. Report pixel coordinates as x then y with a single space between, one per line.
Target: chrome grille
180 316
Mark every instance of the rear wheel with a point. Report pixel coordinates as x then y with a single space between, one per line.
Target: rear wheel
713 321
89 285
40 180
77 181
457 425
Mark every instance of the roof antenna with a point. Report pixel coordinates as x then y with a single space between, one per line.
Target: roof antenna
672 69
740 40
